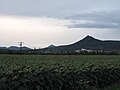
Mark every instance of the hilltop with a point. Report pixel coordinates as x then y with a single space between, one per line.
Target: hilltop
87 43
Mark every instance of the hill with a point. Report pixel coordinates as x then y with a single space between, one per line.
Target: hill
88 43
15 48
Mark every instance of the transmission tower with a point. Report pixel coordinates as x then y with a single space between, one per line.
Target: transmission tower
21 44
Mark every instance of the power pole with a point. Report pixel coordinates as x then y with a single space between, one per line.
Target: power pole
21 44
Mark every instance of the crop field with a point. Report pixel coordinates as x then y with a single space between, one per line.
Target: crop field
59 72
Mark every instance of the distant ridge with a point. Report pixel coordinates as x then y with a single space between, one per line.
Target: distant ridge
89 43
15 48
51 46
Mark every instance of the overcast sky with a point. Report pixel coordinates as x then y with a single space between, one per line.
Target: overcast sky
40 23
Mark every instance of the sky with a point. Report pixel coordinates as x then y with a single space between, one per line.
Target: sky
40 23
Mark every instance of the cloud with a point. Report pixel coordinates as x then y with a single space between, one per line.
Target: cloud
55 8
100 20
95 25
34 31
83 13
42 22
24 23
43 31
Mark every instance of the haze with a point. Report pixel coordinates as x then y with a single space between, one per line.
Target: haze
40 23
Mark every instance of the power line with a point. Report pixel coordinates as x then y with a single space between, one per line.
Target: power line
21 44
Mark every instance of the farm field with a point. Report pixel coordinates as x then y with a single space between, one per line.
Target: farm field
59 72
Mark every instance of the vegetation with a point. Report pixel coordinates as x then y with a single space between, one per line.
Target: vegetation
59 72
89 43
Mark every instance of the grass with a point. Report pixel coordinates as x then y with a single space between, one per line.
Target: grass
89 70
13 62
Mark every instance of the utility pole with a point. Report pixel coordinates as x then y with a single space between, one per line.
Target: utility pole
21 44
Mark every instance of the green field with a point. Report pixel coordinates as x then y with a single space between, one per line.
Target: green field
74 72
